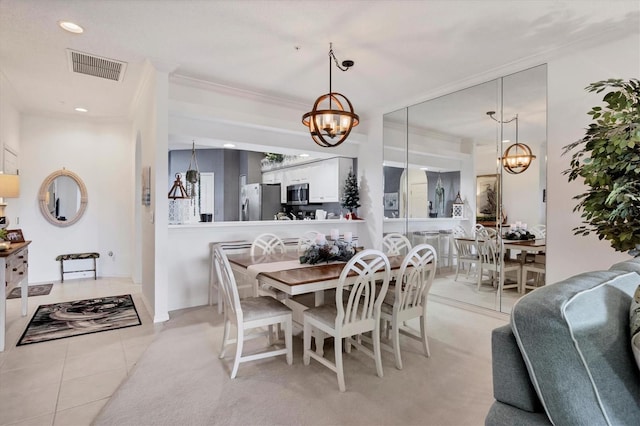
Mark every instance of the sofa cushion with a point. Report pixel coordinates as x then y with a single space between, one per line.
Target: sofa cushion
511 383
634 319
574 338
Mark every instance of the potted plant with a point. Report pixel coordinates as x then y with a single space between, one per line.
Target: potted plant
608 161
351 195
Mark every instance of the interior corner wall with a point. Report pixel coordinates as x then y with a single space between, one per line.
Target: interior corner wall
568 104
150 125
100 154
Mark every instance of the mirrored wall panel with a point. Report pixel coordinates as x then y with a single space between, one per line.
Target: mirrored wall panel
445 185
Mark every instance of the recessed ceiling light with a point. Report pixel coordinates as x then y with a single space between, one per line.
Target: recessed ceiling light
424 168
229 145
506 141
304 155
72 27
80 109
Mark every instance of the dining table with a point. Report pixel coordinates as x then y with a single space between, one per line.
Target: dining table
537 245
284 272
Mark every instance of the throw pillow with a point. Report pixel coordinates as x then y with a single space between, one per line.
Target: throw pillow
635 325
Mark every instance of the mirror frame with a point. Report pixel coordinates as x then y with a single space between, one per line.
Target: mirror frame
44 189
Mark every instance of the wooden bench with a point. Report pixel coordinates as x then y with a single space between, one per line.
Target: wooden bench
77 256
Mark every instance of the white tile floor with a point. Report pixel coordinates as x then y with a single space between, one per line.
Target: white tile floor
67 381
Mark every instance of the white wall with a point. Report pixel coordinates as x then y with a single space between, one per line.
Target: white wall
9 121
100 153
568 104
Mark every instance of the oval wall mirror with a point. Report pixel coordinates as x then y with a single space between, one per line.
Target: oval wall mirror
63 198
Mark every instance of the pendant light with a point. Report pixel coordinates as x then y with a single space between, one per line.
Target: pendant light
328 122
517 157
193 175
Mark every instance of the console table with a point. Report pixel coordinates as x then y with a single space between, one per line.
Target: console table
14 271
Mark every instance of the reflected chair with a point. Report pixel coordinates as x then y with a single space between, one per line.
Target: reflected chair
538 268
495 266
395 244
250 313
466 254
355 312
540 231
409 299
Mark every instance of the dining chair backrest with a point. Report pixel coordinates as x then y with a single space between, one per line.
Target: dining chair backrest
485 233
488 251
361 309
415 278
465 247
540 231
267 244
458 231
227 283
395 244
307 239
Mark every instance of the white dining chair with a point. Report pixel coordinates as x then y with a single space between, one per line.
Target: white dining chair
409 299
495 266
466 255
307 239
267 243
539 230
250 313
538 269
355 312
395 244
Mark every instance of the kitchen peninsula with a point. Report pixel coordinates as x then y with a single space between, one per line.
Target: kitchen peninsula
189 250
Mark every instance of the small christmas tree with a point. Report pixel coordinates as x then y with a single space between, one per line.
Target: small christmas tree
351 196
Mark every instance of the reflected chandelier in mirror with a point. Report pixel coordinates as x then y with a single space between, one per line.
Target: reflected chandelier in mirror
62 198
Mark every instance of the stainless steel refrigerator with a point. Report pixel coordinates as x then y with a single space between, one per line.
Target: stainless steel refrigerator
260 201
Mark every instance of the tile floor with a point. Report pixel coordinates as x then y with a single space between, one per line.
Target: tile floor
67 381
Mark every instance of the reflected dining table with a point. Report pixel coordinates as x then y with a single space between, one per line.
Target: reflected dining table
524 246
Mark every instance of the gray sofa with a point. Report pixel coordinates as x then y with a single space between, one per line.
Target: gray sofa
566 357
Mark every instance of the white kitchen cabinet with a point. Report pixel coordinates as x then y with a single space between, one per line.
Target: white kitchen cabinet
327 179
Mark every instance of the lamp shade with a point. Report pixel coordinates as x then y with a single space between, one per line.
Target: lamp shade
9 186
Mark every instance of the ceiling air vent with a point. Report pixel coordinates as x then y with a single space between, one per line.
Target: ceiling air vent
85 63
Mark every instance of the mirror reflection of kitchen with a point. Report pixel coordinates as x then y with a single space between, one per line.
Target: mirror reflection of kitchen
63 198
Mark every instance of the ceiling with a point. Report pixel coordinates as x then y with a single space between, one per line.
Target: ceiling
402 49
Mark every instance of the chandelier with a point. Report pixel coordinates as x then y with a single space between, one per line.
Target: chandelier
517 157
328 122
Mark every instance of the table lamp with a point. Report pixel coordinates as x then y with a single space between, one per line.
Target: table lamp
9 188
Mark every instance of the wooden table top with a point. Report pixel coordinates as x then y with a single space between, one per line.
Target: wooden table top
14 248
306 274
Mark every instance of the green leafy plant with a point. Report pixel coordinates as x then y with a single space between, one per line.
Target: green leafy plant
351 195
3 234
327 252
274 158
608 161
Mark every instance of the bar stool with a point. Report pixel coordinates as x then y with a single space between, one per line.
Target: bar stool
445 247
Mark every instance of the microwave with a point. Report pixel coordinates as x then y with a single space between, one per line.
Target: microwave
298 194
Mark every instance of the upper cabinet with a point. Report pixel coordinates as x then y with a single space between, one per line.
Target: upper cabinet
325 178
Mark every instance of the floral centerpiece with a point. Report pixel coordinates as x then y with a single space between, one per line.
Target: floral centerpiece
327 251
519 234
